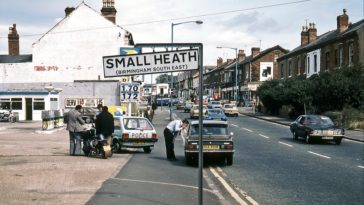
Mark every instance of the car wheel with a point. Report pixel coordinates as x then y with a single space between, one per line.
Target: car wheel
115 147
229 160
338 141
147 150
307 139
295 136
236 115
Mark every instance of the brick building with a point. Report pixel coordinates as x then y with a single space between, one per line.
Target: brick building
329 51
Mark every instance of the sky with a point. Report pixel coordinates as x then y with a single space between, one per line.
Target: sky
241 24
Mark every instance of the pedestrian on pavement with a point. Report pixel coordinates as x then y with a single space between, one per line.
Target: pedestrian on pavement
75 128
170 133
154 106
105 125
149 113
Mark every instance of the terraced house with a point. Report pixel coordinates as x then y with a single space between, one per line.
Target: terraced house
329 51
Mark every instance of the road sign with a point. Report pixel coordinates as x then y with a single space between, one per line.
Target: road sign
129 91
149 63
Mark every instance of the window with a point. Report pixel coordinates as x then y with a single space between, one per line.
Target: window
39 104
289 68
305 70
336 53
315 63
340 56
282 71
16 104
327 60
298 66
275 57
351 53
308 65
5 104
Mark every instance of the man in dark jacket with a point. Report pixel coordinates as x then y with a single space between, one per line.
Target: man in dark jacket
105 124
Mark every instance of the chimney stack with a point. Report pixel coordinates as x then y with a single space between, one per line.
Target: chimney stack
108 10
304 36
13 40
342 21
219 62
255 51
69 10
241 55
312 33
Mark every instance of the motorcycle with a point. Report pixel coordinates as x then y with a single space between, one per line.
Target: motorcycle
6 115
93 146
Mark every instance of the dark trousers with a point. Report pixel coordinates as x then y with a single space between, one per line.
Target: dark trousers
168 138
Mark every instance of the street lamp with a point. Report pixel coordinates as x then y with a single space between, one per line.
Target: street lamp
236 71
172 26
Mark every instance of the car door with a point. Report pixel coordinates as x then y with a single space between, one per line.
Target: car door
300 129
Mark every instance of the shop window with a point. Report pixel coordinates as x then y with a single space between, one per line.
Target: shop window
38 104
16 104
4 104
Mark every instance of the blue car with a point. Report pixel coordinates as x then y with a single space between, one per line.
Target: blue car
215 114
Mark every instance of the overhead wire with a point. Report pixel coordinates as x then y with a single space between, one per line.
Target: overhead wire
173 19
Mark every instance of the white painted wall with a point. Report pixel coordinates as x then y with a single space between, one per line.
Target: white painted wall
71 50
311 63
264 66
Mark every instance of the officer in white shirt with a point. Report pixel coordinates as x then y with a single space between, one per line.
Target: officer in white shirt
170 133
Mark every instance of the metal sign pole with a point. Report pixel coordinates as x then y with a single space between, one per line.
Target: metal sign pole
200 153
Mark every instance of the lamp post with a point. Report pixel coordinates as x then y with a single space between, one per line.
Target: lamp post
236 71
172 26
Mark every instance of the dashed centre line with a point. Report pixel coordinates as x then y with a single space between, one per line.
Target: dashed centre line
247 129
361 167
320 155
289 145
234 125
264 136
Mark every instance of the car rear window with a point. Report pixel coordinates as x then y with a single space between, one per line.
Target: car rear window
210 129
214 111
229 106
136 124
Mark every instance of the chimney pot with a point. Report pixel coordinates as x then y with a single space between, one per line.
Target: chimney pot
13 41
255 51
69 10
342 21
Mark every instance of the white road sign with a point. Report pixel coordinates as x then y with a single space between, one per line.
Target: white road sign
148 63
129 91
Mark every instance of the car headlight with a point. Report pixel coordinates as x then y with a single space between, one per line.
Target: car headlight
316 132
338 132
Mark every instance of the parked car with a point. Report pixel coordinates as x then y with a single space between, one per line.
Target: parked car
312 127
215 114
214 104
217 141
230 110
180 106
194 112
133 132
188 106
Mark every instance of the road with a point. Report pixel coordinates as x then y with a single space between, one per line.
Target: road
272 168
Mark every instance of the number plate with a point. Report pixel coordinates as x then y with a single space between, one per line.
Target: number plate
211 147
327 138
328 132
139 143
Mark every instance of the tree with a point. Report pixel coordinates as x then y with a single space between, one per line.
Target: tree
163 78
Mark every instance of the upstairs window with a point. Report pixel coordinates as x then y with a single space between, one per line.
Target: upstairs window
282 70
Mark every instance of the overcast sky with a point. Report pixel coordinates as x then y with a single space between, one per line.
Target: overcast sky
252 24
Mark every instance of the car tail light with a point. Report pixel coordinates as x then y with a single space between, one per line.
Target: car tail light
125 136
228 146
191 146
154 136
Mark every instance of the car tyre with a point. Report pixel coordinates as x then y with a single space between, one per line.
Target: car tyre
338 141
229 160
295 136
147 150
115 147
236 115
307 139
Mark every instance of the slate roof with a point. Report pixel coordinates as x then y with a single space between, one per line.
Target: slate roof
326 38
16 58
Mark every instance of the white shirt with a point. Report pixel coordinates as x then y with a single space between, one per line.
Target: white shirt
175 125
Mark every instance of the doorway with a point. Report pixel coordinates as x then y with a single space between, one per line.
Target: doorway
28 109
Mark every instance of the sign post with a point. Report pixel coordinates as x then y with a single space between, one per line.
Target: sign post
161 62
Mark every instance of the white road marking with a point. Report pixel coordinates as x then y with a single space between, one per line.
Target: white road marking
361 167
161 183
211 184
264 136
285 144
234 125
320 155
228 187
247 129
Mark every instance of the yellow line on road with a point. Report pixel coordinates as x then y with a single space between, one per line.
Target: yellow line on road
228 187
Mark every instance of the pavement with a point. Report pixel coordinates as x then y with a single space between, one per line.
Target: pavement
356 135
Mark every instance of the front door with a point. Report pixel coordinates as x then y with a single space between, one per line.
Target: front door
28 109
